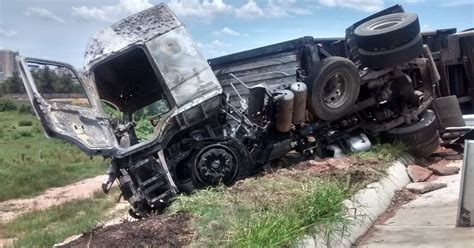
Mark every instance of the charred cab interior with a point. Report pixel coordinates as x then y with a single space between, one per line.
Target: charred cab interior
130 83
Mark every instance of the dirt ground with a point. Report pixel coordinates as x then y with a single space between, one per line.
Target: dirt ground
346 168
401 198
52 197
157 231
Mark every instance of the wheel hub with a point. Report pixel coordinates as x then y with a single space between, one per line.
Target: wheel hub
216 164
383 24
335 94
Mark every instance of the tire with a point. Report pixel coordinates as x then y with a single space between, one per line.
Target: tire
329 72
387 32
421 138
392 57
417 133
240 156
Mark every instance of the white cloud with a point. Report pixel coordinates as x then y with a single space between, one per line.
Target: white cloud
414 1
213 49
7 33
226 30
201 10
453 3
249 11
229 31
110 13
217 44
362 5
44 14
280 8
273 8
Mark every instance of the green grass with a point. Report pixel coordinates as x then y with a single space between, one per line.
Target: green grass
384 152
31 163
277 209
274 210
48 227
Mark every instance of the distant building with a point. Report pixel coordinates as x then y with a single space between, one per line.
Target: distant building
7 63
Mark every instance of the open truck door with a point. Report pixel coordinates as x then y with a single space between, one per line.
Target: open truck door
68 108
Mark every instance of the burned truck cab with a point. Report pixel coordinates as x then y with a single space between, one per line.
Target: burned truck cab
147 67
149 72
149 59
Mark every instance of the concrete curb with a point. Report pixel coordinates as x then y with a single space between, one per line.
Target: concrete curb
365 207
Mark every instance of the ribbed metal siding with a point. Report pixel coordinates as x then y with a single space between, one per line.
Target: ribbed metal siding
276 71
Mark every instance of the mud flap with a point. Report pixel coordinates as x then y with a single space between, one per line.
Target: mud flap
448 113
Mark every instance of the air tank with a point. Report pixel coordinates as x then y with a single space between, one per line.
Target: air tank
299 106
284 110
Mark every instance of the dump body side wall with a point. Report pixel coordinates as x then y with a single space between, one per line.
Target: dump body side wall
275 66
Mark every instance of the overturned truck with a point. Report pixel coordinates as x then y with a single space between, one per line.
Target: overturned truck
221 120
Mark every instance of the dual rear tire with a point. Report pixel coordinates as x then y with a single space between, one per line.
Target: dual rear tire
420 138
389 40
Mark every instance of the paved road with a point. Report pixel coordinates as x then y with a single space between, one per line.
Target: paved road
427 221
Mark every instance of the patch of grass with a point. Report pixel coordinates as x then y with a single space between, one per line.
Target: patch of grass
25 123
25 109
274 210
45 228
7 105
320 207
31 163
279 208
384 152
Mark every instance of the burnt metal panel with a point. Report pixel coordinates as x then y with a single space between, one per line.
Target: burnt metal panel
137 28
85 127
186 72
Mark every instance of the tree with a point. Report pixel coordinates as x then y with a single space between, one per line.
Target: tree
14 84
45 80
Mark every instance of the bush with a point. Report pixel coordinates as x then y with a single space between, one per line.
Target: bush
144 129
37 128
25 123
7 105
25 109
26 134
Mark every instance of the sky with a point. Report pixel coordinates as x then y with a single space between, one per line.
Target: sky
59 29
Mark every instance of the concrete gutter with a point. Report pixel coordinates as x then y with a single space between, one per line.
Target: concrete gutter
365 207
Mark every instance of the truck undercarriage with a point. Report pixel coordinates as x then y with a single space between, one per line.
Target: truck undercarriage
219 121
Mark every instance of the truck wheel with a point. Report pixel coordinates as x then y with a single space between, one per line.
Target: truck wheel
392 57
334 85
222 162
388 31
421 138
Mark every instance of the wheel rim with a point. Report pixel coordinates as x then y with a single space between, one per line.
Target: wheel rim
382 24
216 164
335 90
